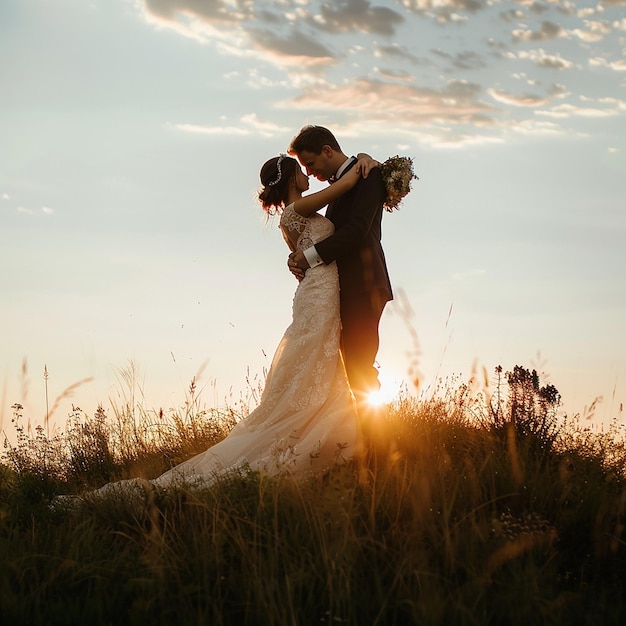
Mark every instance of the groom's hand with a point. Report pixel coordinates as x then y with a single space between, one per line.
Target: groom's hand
297 264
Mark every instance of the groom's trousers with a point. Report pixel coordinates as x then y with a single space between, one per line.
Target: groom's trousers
360 316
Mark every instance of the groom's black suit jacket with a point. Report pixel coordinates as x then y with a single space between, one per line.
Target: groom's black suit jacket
356 246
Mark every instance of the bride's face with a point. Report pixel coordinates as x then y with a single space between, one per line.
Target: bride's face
301 180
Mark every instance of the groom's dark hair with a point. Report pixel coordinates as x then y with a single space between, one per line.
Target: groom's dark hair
313 139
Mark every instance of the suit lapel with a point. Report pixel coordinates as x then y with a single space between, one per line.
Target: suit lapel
350 165
331 206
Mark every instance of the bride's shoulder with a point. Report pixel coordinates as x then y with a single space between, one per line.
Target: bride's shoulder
291 219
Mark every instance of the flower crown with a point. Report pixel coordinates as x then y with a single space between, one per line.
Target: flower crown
281 156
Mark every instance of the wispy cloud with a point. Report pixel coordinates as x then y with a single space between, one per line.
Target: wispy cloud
294 48
263 127
395 52
457 101
249 124
592 31
541 59
618 66
566 110
464 60
211 130
526 100
339 58
537 128
43 211
394 75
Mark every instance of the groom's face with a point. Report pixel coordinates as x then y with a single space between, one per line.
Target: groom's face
318 165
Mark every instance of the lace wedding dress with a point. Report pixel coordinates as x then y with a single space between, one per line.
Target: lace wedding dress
306 420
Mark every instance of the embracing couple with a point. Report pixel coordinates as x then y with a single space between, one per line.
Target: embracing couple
314 407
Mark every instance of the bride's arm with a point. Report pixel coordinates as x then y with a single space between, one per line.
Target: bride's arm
308 205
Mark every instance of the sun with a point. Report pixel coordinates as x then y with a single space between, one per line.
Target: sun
389 389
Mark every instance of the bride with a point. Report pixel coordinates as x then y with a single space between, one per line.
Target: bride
306 420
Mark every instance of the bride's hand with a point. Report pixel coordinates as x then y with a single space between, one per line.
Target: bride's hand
350 178
365 164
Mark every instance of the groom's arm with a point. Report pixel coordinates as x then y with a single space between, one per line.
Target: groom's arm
367 197
351 233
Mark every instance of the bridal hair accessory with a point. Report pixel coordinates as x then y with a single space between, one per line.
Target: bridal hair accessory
280 172
397 175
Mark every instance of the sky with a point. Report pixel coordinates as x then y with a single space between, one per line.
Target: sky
132 133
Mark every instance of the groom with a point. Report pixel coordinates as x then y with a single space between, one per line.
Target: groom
355 246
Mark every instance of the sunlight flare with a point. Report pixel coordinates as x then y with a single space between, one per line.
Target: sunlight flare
389 389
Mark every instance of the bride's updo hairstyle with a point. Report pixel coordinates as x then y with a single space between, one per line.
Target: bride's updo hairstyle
276 174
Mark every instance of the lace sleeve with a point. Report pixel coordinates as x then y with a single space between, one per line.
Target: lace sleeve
295 228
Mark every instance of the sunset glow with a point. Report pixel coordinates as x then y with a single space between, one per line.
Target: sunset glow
129 172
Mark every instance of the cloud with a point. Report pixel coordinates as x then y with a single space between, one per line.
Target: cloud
210 130
511 15
335 58
526 100
593 31
214 11
202 20
250 124
618 66
396 51
609 107
532 127
263 127
457 102
296 47
542 59
445 10
535 7
569 110
43 211
394 74
465 60
356 15
238 25
5 196
548 30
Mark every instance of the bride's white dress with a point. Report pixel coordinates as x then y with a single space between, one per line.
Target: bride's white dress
306 420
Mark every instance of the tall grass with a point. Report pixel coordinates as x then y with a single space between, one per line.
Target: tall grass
474 509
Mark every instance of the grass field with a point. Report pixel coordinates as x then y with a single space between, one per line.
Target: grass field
477 507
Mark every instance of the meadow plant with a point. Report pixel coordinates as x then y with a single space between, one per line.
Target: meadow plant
478 508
